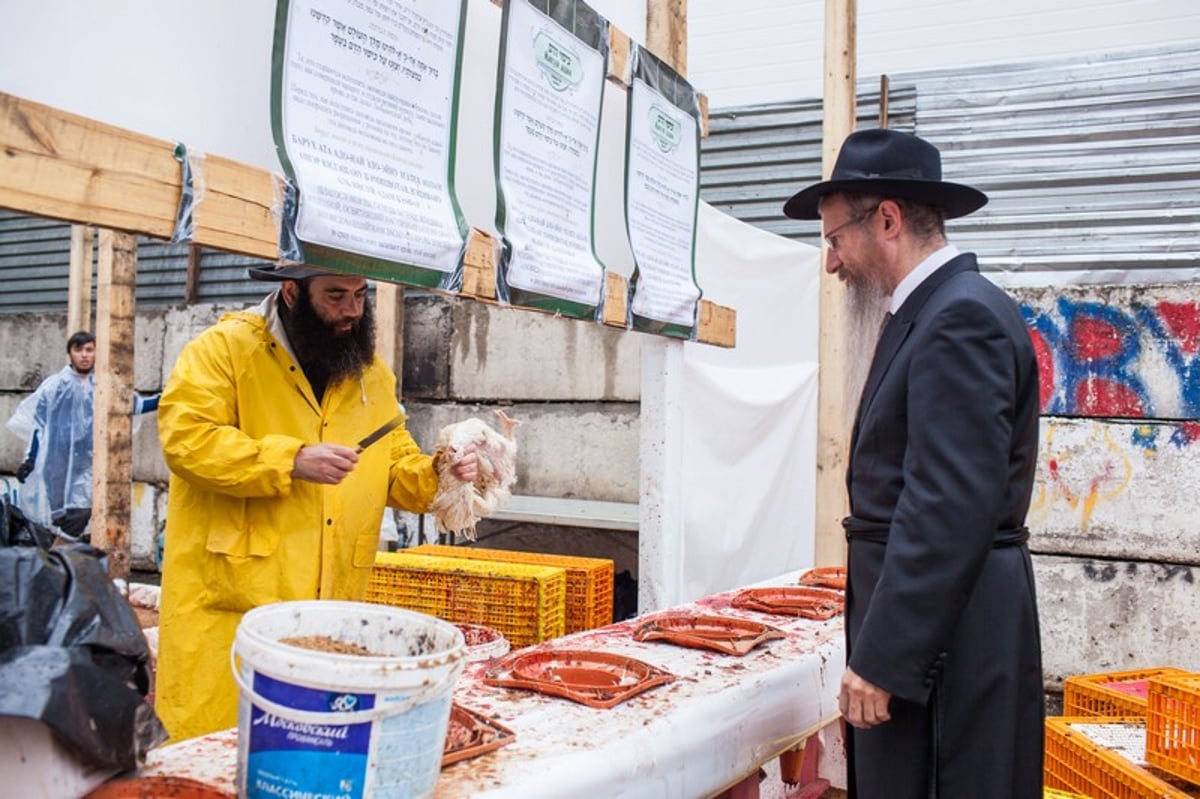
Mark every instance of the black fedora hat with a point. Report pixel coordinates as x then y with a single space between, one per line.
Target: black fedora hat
892 164
289 272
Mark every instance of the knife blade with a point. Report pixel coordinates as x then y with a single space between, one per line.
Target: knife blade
380 432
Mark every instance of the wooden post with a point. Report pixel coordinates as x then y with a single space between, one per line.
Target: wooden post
389 329
112 458
834 407
884 89
666 32
79 280
191 286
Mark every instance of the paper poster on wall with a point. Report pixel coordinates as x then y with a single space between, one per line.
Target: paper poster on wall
364 101
662 193
550 85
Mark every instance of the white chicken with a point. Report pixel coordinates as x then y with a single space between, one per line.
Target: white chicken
458 505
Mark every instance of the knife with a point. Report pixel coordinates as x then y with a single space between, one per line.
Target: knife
381 431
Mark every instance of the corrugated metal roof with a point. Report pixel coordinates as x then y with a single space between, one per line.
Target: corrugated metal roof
1091 165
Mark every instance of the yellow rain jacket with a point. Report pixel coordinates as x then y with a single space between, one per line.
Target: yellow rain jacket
240 532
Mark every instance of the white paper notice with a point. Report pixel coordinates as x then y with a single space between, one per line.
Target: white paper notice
367 101
552 90
660 206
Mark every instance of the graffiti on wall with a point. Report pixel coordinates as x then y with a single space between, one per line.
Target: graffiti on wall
1082 466
1097 358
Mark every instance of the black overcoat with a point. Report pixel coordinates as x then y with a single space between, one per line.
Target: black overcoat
941 610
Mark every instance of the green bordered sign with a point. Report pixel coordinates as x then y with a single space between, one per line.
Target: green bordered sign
550 85
364 107
662 193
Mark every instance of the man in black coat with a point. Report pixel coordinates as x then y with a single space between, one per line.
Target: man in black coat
943 681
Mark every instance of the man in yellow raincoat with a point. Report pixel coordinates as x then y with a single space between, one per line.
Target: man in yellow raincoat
269 499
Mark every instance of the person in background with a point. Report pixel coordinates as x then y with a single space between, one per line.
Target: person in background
943 686
269 498
56 420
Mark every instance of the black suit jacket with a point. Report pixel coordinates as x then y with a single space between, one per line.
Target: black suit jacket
941 466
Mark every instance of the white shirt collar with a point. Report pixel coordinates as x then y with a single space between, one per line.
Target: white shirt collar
933 262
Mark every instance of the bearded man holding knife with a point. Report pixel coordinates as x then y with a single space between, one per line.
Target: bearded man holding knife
270 500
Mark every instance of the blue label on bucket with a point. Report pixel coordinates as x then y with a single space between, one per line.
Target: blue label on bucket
288 758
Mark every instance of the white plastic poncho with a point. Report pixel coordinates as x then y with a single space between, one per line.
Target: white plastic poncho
60 413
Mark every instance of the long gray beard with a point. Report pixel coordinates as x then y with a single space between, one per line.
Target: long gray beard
865 306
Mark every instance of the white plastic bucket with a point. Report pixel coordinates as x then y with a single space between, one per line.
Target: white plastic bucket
338 726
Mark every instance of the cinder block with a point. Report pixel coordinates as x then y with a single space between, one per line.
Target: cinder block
472 351
1101 615
32 347
1121 490
583 450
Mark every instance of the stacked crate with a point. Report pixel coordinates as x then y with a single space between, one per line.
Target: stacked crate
1173 725
524 602
1102 746
589 580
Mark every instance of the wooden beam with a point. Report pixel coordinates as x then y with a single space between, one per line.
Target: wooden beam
666 32
64 166
389 328
616 299
79 280
68 167
619 64
112 443
833 406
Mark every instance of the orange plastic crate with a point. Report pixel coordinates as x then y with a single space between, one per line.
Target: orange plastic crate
1115 693
525 603
1173 725
589 580
1075 762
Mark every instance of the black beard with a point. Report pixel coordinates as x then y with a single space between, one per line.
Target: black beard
326 356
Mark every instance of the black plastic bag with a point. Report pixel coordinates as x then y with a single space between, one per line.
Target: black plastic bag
73 656
17 530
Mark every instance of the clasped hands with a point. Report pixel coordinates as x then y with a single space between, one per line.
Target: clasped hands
330 463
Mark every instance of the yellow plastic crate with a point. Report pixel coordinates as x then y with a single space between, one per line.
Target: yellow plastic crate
1050 793
1115 693
589 580
526 603
1173 725
1095 769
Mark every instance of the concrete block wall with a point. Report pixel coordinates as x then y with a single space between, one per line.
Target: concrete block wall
573 385
1116 550
1113 517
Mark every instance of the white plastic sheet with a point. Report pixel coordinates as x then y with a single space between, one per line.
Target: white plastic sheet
744 420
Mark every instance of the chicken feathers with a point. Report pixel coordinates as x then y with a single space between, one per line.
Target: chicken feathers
458 505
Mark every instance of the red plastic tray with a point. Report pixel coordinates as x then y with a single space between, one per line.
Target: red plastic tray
726 634
471 734
825 577
595 679
808 603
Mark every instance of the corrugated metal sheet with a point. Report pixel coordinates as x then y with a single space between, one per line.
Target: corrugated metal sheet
1092 165
33 263
755 157
34 254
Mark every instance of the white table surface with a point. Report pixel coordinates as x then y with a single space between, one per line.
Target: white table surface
721 719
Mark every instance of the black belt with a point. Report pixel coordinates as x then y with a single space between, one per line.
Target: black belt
877 533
